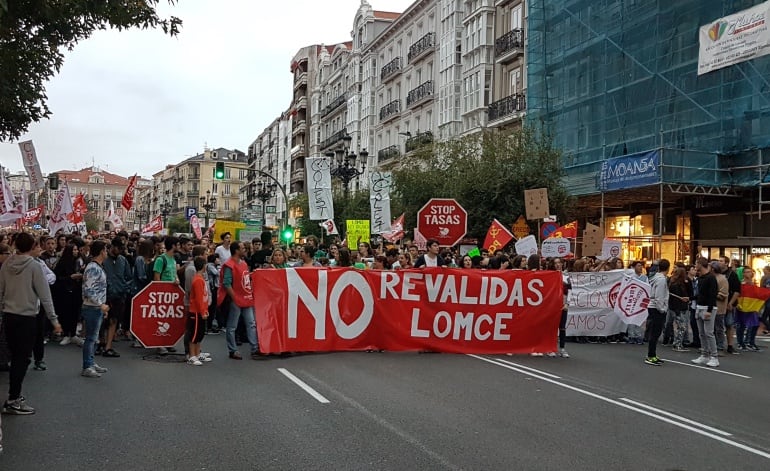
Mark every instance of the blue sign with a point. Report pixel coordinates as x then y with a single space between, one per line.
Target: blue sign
630 171
189 212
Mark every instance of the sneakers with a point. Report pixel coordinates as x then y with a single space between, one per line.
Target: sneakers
701 360
681 349
754 348
731 350
99 369
111 353
653 361
236 356
90 373
194 361
163 351
535 354
563 353
77 340
65 341
203 355
17 407
40 366
551 355
713 362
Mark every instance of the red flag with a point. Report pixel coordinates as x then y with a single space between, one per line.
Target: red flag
155 225
128 196
33 214
568 231
497 237
79 208
396 230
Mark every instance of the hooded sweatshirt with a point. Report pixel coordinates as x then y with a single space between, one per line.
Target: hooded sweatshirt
659 292
23 286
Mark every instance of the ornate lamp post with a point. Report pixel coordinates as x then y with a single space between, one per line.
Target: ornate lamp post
265 191
344 166
208 203
165 209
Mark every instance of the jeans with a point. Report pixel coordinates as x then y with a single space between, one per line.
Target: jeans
740 334
563 329
92 321
38 348
708 342
681 322
20 334
251 327
655 322
719 332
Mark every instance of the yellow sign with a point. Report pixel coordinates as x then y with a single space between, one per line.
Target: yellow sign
520 228
221 226
357 228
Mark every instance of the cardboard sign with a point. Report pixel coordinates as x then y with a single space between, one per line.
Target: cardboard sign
555 247
611 248
592 240
526 246
536 203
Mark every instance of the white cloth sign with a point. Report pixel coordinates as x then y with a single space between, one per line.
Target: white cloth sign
632 300
32 166
555 247
62 206
733 39
319 181
611 248
592 303
379 201
526 246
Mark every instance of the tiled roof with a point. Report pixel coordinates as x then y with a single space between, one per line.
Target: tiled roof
386 15
82 176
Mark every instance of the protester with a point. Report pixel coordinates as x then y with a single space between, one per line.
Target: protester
278 259
22 287
235 279
431 258
38 349
705 313
746 319
212 273
678 307
657 311
119 288
94 307
224 250
67 296
199 310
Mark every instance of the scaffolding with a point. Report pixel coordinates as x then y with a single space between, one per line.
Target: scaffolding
609 78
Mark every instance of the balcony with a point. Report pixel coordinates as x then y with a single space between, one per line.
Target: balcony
298 150
418 140
336 103
390 70
509 45
194 176
334 138
388 153
421 47
300 127
301 103
391 110
419 94
510 106
300 80
298 175
192 193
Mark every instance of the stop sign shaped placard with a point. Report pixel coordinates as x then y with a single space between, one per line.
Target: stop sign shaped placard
158 314
444 220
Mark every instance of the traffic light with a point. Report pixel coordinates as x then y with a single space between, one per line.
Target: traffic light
53 181
287 234
219 171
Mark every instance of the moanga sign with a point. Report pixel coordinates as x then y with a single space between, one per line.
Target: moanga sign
449 310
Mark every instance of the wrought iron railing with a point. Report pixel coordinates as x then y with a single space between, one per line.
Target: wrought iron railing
390 69
513 39
417 94
418 140
507 106
336 103
389 110
421 45
388 153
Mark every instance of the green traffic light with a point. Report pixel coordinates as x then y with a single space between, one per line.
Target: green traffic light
287 234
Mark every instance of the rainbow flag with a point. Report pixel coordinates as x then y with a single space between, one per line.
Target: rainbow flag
752 298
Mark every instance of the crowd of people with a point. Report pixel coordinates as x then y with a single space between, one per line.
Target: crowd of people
77 290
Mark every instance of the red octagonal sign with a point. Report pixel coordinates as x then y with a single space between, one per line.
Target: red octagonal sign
157 314
443 219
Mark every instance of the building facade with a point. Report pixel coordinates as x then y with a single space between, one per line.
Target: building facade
269 161
101 190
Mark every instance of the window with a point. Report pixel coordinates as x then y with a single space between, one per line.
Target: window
514 81
227 205
226 190
214 189
516 17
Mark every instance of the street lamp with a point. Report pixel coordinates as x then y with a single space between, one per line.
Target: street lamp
165 209
345 168
208 203
265 192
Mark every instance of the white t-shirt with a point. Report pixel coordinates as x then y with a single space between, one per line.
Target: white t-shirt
431 261
224 254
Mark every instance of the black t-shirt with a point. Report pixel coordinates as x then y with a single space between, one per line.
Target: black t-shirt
259 258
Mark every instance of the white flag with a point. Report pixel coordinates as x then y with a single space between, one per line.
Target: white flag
329 226
319 193
632 300
379 201
113 217
29 156
62 206
6 195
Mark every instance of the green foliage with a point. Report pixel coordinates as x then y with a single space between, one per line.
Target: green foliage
34 34
92 223
486 172
178 224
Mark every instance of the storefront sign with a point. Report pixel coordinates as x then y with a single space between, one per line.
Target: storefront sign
630 171
734 39
760 251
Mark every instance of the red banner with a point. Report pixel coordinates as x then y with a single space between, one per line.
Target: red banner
79 208
128 197
437 309
155 225
567 231
33 214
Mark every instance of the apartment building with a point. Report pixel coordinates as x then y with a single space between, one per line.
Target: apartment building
101 190
269 160
508 104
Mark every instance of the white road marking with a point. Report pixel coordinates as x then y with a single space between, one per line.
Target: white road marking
667 420
678 417
316 395
544 373
715 370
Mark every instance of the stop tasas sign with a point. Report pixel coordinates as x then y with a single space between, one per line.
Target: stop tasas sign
444 220
158 314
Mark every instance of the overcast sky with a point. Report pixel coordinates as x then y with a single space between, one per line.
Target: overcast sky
136 100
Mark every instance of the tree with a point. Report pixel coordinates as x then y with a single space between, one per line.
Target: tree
178 224
486 172
33 37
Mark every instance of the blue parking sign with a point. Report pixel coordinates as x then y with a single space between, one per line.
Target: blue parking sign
189 212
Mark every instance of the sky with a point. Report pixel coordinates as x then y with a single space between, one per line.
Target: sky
134 101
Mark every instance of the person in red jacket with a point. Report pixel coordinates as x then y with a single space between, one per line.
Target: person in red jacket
199 312
234 278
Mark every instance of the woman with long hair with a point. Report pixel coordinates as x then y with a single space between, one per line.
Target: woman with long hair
66 293
142 271
344 259
679 306
278 259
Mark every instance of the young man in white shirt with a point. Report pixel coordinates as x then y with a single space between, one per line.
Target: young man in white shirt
431 258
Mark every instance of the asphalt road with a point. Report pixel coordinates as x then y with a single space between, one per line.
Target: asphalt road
601 409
